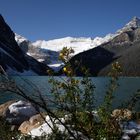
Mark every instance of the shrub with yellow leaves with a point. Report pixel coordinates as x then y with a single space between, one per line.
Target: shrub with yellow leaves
66 54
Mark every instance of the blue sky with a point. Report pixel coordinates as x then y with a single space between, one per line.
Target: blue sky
50 19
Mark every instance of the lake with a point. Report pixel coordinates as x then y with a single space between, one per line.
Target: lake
127 87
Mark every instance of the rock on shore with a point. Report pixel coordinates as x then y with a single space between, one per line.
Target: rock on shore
16 112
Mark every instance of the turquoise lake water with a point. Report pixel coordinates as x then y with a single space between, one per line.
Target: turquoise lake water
127 87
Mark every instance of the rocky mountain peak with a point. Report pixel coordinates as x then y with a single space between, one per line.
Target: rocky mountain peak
130 26
134 23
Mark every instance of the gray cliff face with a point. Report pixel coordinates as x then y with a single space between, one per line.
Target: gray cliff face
11 55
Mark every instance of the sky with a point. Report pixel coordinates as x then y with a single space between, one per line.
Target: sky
51 19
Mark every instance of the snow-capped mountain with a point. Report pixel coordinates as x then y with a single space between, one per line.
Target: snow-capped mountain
78 44
18 55
48 51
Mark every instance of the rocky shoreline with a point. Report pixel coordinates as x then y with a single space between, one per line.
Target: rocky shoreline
22 115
